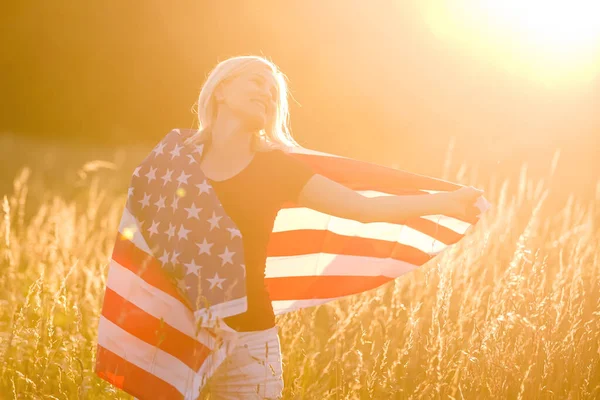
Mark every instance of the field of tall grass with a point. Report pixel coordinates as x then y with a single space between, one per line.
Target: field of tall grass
513 311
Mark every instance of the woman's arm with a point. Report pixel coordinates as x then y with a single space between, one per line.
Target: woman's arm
327 196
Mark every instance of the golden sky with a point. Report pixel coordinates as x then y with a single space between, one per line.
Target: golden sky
556 43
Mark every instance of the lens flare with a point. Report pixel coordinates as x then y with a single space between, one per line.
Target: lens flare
549 41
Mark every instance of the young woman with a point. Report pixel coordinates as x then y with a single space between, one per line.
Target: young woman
243 116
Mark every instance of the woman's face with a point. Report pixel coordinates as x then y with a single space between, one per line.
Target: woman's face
251 96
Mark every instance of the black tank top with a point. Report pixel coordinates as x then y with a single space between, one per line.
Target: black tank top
252 199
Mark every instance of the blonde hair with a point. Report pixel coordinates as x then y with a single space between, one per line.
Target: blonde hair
277 135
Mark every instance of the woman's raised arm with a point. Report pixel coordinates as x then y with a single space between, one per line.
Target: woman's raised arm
327 196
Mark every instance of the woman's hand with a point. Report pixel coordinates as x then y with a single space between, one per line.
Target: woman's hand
461 203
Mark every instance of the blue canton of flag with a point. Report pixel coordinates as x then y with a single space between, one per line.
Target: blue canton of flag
184 224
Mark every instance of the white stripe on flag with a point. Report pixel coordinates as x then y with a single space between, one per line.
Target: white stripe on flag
159 363
161 305
147 357
221 310
150 299
327 264
292 219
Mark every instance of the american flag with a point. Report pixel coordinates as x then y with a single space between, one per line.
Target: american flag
177 266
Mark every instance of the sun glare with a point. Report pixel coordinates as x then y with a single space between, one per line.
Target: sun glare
551 41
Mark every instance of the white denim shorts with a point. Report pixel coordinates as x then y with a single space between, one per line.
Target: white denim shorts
252 370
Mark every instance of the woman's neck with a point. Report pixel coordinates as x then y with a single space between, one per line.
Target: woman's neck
229 135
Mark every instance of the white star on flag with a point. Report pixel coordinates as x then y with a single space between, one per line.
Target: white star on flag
226 256
171 231
234 232
160 203
136 172
146 201
182 234
204 187
151 175
167 177
204 247
130 192
159 149
165 257
216 281
193 211
192 159
214 221
154 228
175 152
182 179
175 203
192 268
174 257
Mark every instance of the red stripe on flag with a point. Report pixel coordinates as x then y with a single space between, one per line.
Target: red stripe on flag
151 330
306 241
320 287
145 266
131 378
